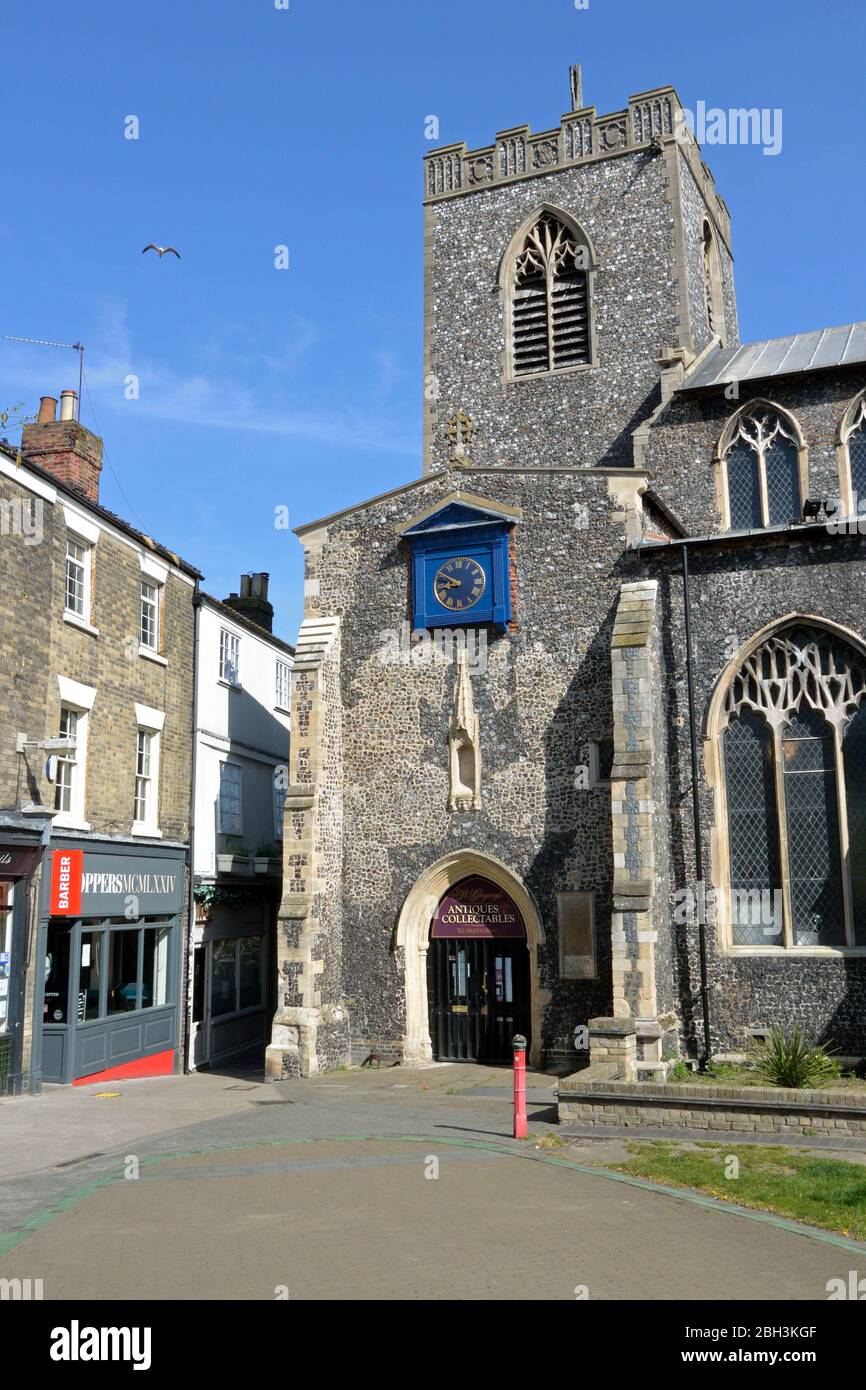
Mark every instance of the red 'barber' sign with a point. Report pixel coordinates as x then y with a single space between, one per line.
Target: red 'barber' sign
67 868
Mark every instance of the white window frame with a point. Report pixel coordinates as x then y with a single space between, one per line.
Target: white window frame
239 828
155 603
67 766
283 685
86 565
151 722
143 797
230 670
78 699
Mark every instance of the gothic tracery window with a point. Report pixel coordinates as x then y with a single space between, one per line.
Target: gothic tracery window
855 442
550 308
763 471
795 787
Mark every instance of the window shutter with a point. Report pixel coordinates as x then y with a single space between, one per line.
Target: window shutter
530 327
570 320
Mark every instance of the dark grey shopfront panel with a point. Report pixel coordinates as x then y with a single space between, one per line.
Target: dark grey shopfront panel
54 1044
100 1046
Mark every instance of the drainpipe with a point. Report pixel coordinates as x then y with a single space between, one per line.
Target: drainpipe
197 601
696 815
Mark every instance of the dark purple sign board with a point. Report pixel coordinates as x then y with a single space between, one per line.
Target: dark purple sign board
477 908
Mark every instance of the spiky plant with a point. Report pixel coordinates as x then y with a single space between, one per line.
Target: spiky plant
793 1059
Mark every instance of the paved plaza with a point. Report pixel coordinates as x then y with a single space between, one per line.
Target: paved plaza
392 1184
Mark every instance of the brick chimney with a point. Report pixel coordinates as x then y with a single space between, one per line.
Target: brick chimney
252 601
64 447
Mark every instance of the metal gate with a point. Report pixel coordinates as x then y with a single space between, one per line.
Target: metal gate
479 998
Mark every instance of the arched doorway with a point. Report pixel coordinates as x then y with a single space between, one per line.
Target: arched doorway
413 940
477 974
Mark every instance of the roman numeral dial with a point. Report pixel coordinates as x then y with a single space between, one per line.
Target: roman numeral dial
459 583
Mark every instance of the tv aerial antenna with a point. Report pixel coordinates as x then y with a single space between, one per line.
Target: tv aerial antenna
72 347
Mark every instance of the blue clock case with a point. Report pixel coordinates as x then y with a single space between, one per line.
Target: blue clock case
454 532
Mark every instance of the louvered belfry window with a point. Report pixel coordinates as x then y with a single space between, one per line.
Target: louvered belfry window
795 785
550 300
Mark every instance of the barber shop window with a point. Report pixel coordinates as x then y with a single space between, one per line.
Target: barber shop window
118 968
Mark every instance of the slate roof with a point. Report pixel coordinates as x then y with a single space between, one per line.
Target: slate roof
11 453
803 352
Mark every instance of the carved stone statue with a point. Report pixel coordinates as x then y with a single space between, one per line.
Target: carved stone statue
464 744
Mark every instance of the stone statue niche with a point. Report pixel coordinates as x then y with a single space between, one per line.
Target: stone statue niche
464 744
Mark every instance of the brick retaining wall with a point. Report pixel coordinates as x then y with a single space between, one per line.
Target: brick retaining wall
699 1106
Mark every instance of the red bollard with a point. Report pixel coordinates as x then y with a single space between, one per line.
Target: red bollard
519 1044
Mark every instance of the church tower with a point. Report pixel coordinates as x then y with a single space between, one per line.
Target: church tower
559 267
455 872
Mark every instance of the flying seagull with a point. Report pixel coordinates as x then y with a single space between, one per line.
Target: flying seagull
161 250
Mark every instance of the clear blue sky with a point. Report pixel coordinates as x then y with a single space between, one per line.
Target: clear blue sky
305 127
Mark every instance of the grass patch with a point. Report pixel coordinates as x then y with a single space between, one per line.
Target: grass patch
821 1192
551 1142
739 1074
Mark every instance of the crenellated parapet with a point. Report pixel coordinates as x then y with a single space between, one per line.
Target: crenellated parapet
582 137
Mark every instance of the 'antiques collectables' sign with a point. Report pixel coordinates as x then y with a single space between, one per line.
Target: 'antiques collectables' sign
113 885
477 908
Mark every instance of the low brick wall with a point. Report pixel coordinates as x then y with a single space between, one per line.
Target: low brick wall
673 1105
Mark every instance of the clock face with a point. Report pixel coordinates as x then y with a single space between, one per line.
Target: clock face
459 583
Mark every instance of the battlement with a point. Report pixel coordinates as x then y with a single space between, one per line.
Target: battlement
653 117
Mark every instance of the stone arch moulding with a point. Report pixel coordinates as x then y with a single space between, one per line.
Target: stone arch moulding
413 938
713 727
524 229
758 403
854 413
713 281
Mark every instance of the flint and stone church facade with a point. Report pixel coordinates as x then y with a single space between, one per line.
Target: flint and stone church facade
578 736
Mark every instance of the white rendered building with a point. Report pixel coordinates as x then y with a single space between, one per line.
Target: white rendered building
241 751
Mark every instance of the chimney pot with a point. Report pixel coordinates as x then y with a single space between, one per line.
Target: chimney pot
252 601
67 404
47 410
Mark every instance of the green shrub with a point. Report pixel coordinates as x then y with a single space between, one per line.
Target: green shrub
792 1059
679 1072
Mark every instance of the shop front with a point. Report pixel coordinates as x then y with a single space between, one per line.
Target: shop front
111 943
233 1003
20 855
